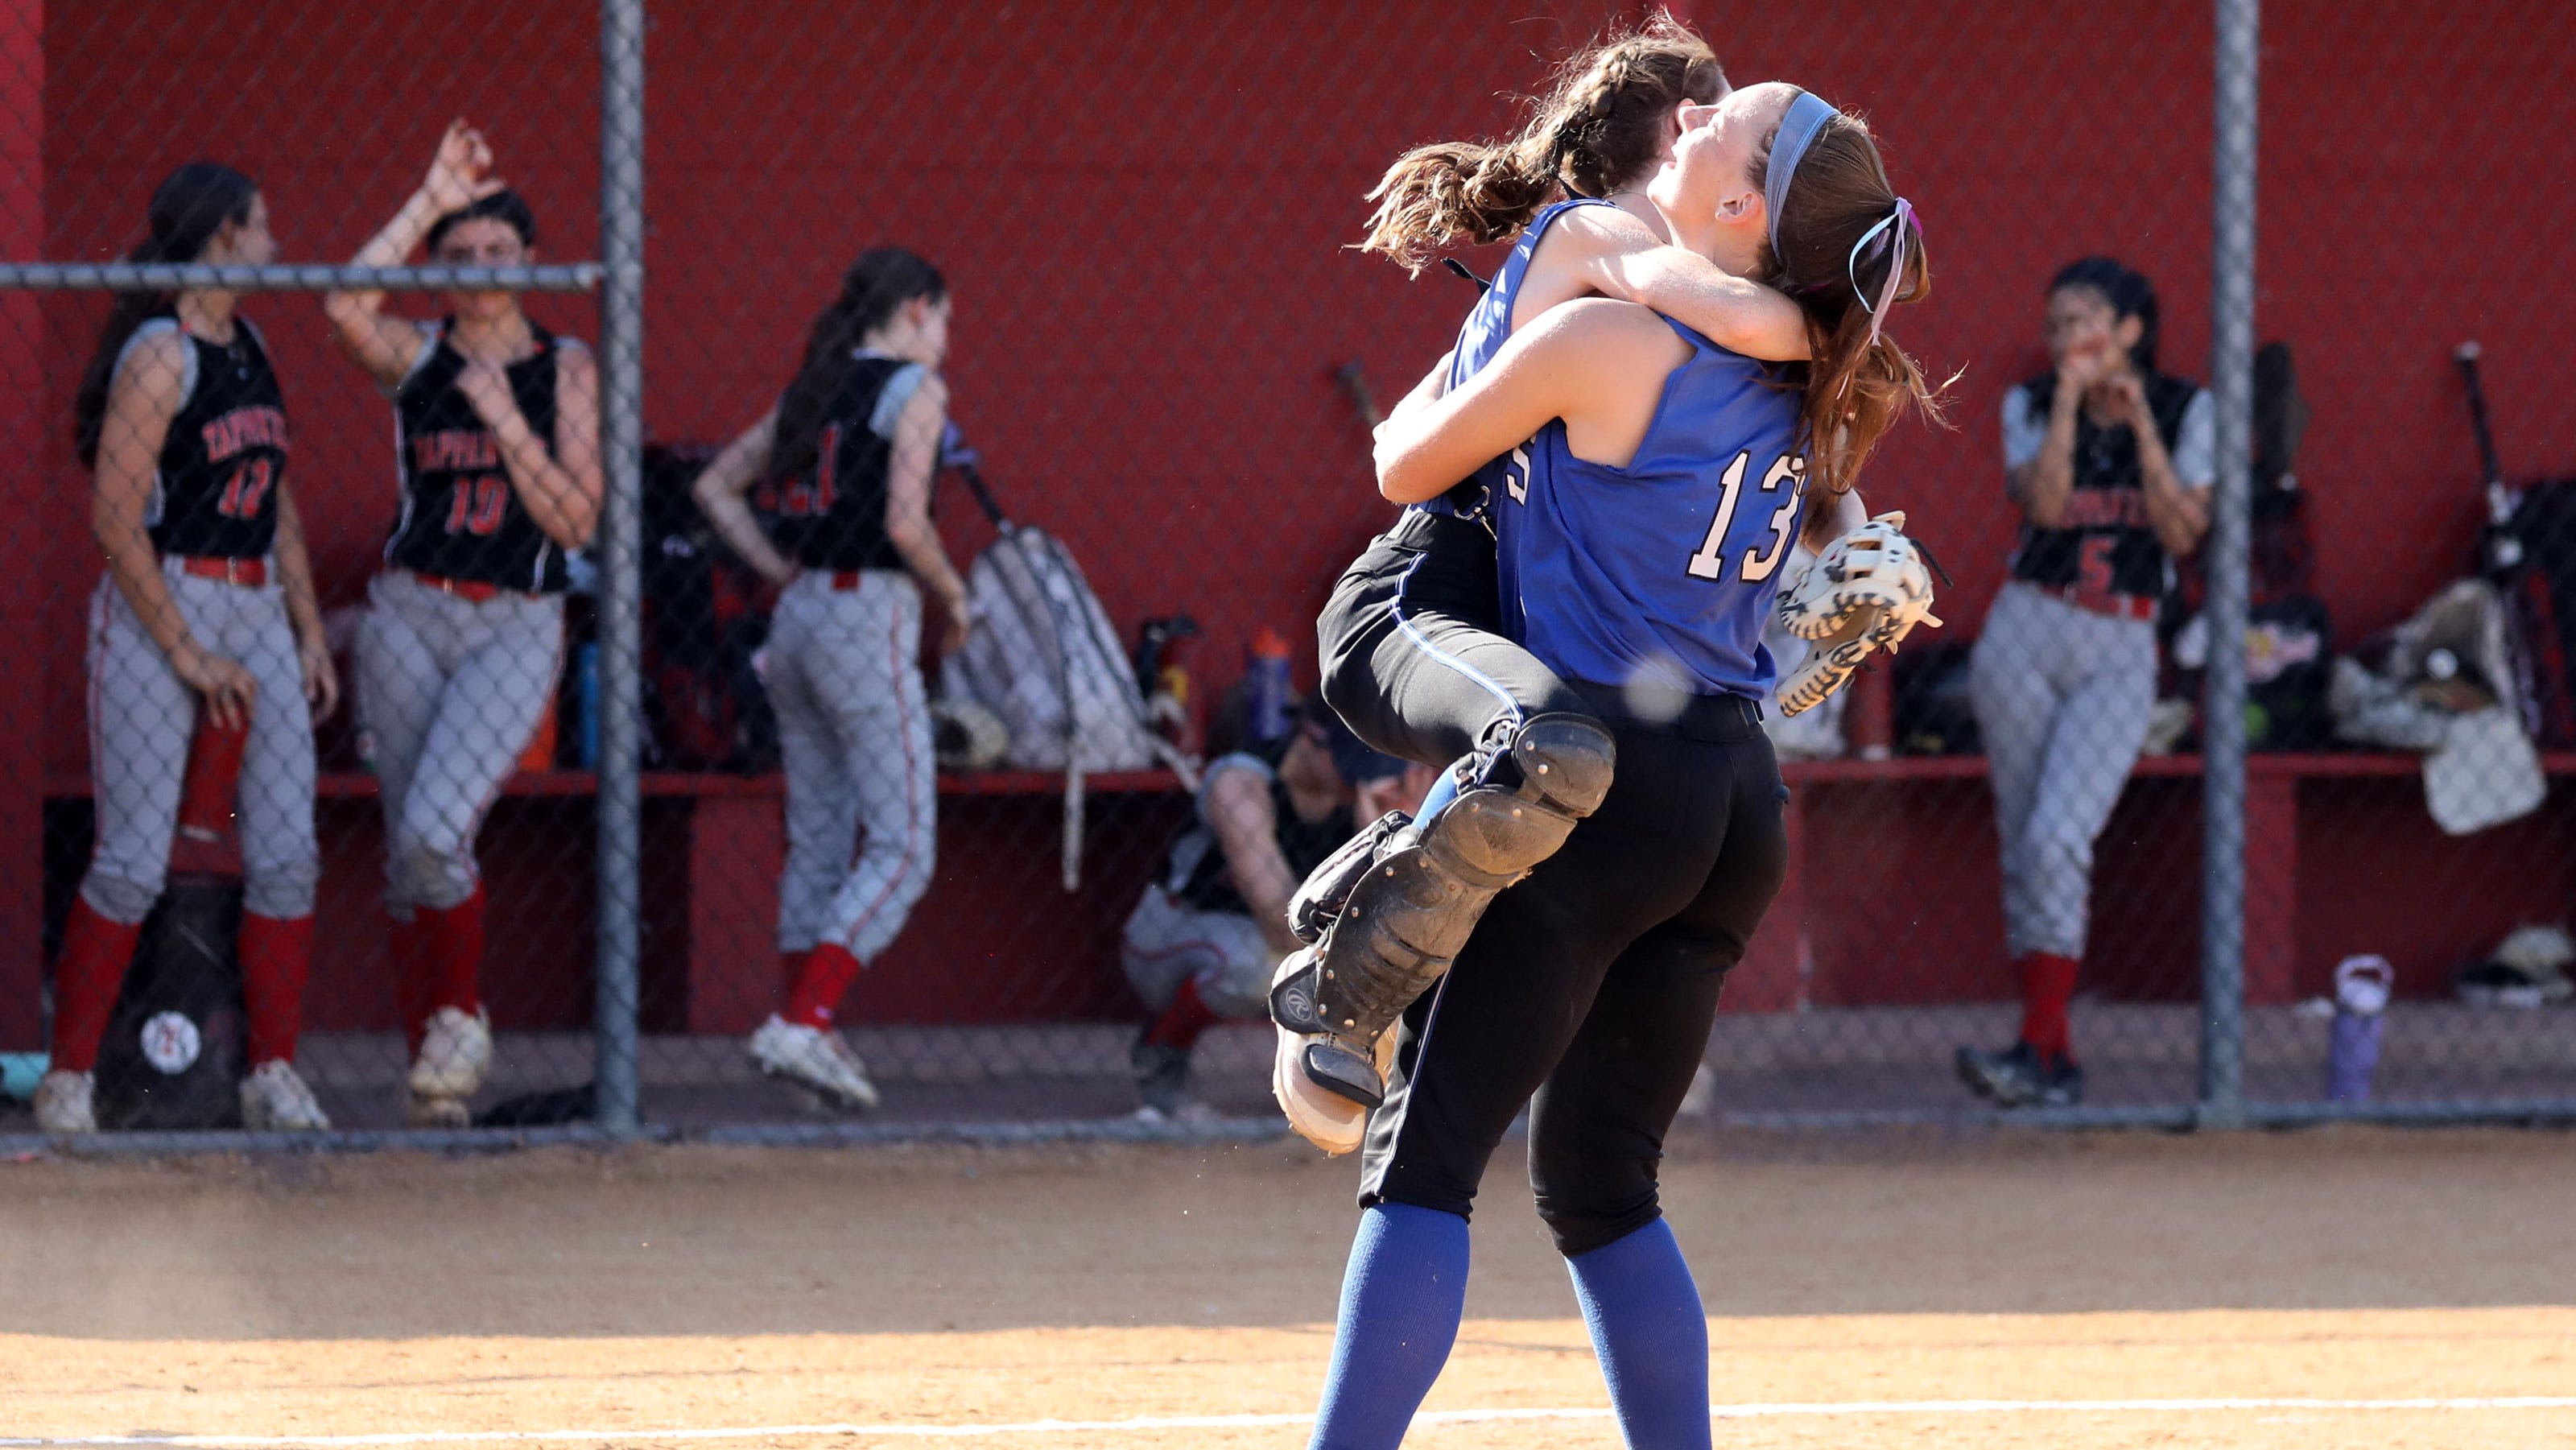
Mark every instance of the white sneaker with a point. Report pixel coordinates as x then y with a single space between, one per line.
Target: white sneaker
1326 1119
455 1053
63 1103
813 1058
275 1100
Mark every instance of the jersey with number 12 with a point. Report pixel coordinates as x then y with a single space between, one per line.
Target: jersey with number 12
1660 573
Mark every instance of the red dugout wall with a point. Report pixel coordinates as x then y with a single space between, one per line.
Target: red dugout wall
1144 219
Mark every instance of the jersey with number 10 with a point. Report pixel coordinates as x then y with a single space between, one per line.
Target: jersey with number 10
1661 573
461 518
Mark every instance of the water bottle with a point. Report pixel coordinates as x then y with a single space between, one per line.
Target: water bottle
586 686
2362 989
1267 691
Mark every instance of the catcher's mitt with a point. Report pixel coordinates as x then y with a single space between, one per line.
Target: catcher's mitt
1866 591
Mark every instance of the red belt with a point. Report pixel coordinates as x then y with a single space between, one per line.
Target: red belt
2118 606
845 580
470 590
248 573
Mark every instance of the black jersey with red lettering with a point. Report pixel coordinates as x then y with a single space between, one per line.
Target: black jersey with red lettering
2106 544
214 490
461 519
834 516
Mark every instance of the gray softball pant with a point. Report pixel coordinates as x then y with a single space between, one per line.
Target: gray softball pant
449 692
844 676
1166 943
141 720
2062 695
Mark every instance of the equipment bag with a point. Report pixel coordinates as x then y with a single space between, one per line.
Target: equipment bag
172 1057
1045 659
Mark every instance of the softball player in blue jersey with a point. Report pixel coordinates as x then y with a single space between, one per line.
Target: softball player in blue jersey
1414 653
1662 480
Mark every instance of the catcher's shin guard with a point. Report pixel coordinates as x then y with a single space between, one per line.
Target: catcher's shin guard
1389 931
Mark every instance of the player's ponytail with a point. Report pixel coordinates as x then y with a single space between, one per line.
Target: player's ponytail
188 209
1599 128
1849 250
876 284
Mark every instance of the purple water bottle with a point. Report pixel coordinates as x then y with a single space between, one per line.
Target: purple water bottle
2362 989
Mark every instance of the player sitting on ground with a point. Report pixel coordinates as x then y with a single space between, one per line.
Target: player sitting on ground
1202 944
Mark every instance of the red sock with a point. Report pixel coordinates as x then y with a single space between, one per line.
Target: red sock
86 976
437 956
1183 1021
2047 982
456 951
791 968
822 980
276 956
415 977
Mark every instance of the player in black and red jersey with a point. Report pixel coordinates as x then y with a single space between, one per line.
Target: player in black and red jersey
497 431
208 603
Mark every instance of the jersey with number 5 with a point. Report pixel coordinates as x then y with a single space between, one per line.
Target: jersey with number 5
460 517
1487 327
214 489
1661 573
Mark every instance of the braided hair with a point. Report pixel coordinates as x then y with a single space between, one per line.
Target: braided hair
1599 127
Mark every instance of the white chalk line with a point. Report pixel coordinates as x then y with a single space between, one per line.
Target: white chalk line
1845 1409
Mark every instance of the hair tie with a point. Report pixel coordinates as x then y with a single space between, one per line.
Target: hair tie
1799 127
1900 221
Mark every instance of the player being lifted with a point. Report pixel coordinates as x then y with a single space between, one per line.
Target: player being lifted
207 605
1415 651
496 425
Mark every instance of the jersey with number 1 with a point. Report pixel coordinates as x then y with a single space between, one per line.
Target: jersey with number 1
1660 574
461 518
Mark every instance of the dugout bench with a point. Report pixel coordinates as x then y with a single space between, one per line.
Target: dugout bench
1892 896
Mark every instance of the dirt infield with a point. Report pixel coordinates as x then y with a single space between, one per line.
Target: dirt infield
1994 1290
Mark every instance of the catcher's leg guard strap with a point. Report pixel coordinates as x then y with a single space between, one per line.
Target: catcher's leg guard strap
1320 898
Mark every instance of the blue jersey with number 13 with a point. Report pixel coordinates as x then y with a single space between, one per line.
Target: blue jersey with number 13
1660 574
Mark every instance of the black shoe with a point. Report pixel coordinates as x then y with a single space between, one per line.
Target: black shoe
2018 1077
1162 1072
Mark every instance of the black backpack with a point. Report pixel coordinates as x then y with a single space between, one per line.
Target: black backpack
174 1053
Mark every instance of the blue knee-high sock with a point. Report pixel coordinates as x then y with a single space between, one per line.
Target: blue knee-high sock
1401 1301
1652 1336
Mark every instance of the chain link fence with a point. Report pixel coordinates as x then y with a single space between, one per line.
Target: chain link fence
658 783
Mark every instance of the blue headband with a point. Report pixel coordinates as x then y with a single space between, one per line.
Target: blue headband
1806 116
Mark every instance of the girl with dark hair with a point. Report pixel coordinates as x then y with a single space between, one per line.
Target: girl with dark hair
1659 483
1416 655
852 448
496 427
2110 462
207 605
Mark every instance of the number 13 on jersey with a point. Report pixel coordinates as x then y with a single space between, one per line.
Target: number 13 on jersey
1762 560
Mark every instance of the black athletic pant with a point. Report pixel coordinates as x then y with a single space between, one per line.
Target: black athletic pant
1592 984
1413 654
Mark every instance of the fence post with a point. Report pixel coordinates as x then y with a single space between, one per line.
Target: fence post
2231 381
621 426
